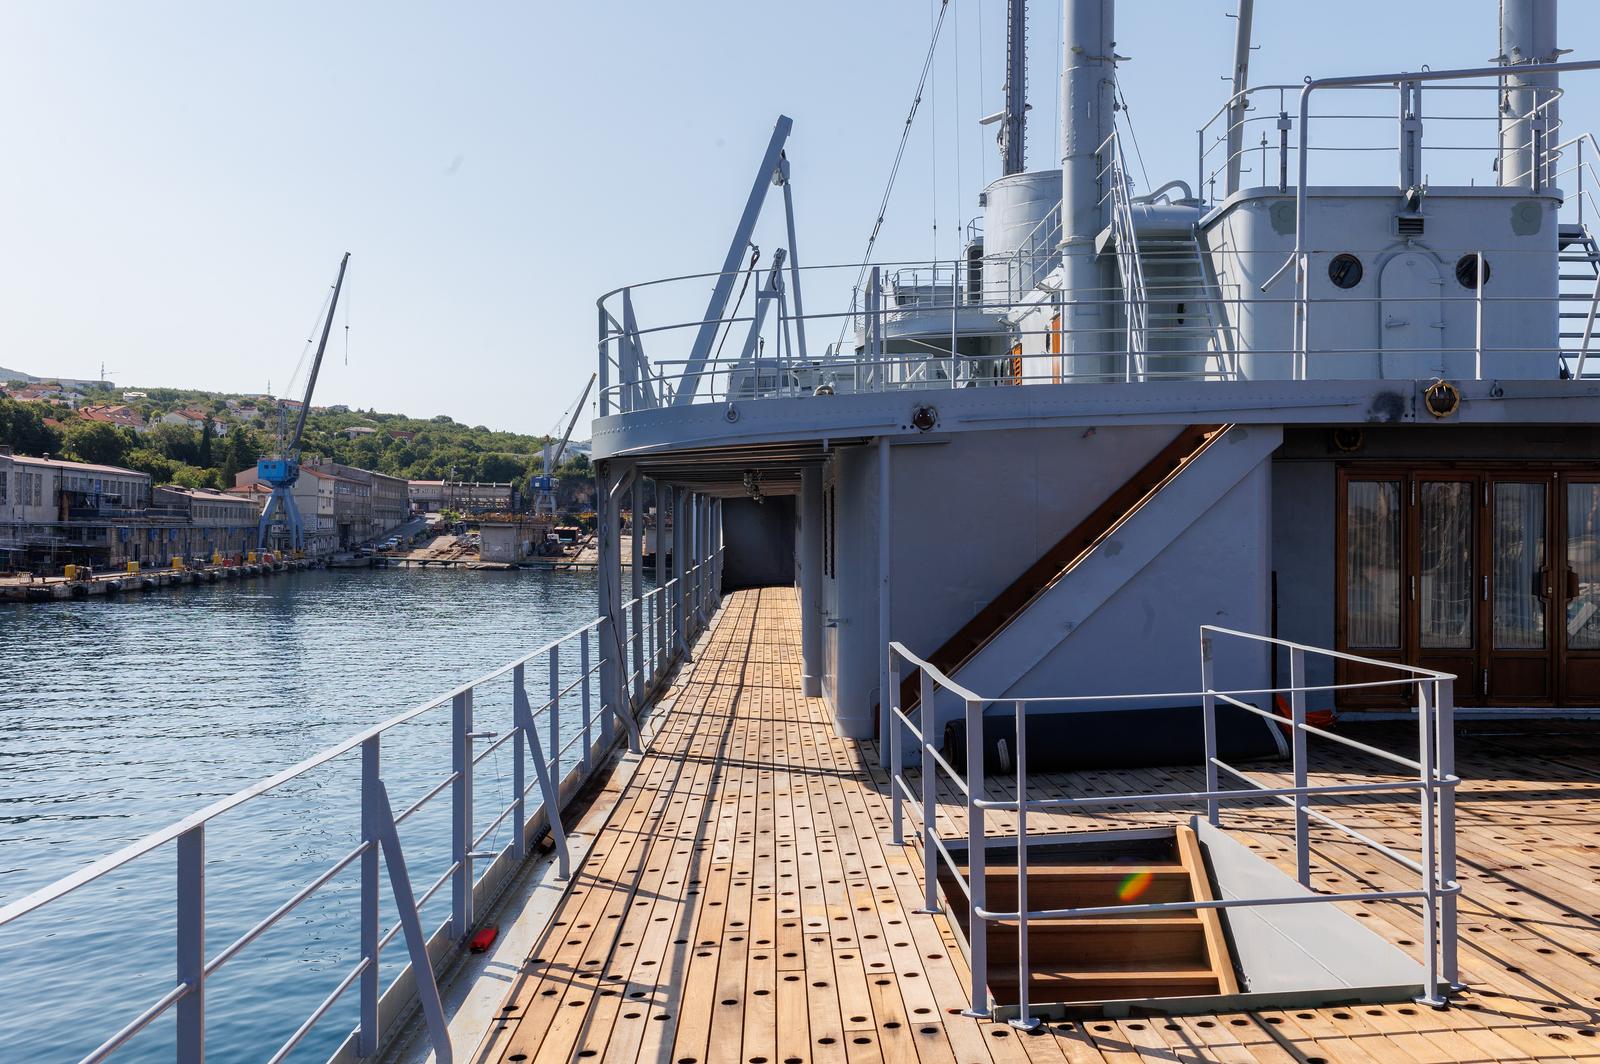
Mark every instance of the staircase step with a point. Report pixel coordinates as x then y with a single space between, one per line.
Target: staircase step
1079 944
1107 984
1084 886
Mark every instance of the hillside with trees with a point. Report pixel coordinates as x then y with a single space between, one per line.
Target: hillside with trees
240 429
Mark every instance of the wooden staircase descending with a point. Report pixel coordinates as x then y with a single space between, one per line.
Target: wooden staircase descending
1178 953
1066 554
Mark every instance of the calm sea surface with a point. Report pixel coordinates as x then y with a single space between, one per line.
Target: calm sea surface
118 717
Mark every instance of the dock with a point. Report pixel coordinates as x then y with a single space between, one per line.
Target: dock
55 588
742 901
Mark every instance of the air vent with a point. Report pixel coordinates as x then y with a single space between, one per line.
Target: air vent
1408 224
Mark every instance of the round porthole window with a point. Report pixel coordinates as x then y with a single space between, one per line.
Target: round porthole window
1345 270
1467 271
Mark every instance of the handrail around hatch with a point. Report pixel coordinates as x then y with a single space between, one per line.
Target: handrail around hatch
1433 781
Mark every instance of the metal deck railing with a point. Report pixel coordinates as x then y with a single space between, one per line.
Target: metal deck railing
1434 785
656 627
944 326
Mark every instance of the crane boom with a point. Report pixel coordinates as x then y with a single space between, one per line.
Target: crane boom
293 447
576 413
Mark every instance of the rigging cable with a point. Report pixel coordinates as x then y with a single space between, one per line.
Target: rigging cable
1128 117
899 155
933 146
755 257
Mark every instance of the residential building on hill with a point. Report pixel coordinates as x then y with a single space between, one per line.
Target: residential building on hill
123 417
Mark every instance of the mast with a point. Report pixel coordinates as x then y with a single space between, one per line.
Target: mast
1241 81
1013 133
1528 108
1088 85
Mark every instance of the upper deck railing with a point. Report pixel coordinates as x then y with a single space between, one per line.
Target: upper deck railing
955 324
545 708
966 322
1367 128
1429 779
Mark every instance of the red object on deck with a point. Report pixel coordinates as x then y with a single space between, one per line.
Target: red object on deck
483 939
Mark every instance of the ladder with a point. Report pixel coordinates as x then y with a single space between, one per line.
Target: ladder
1579 259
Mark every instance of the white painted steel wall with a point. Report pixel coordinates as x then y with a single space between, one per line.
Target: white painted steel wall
1251 236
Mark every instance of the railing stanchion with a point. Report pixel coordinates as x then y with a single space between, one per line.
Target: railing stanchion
1444 712
895 762
1023 1021
1477 309
978 926
1430 869
583 694
461 815
191 948
371 929
1208 718
636 585
1297 742
549 789
930 799
555 709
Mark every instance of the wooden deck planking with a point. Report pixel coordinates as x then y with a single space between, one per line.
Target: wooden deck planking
743 901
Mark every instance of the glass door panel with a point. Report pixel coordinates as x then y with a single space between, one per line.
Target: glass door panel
1520 566
1444 569
1372 565
1583 567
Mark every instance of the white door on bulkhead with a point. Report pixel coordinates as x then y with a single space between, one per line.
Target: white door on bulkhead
1411 318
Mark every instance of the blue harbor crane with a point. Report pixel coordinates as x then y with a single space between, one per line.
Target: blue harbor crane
280 473
543 487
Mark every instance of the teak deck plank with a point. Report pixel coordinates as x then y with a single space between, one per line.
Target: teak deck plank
748 859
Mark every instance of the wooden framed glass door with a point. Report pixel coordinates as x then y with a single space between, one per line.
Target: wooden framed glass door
1370 610
1578 594
1444 591
1519 662
1490 573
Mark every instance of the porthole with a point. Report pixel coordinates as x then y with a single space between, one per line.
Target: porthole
1467 271
1345 270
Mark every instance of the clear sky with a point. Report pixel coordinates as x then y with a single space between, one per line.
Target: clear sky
181 177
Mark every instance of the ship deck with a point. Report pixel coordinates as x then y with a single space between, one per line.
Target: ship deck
743 901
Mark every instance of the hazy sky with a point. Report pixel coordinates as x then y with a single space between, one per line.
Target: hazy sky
181 177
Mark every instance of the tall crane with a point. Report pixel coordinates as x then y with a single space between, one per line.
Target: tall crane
543 487
280 473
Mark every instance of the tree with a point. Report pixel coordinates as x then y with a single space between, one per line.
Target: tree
176 442
97 442
203 458
159 466
240 453
23 429
190 477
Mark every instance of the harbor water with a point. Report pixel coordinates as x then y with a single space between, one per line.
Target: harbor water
118 717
